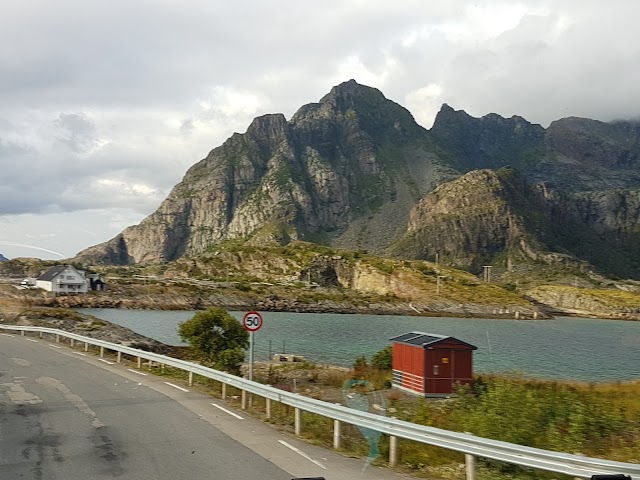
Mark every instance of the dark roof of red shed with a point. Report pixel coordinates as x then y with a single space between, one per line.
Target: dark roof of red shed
422 339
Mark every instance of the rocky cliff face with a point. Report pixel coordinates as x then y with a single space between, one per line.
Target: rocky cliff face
497 217
469 221
355 170
348 168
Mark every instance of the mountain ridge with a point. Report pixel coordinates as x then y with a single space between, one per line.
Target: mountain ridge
351 169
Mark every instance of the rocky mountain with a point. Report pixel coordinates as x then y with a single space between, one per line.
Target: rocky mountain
498 217
356 171
345 170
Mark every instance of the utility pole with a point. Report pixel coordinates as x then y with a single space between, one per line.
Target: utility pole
486 271
439 283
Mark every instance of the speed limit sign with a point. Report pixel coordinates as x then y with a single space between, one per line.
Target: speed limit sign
252 321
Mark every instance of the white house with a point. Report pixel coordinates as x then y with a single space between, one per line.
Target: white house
63 279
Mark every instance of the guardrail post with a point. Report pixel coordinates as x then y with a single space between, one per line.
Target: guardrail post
38 335
57 338
393 450
298 421
337 427
72 342
119 357
22 333
243 400
86 347
470 466
139 362
191 379
224 391
268 408
101 352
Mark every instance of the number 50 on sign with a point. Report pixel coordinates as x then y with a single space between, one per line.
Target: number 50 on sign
252 321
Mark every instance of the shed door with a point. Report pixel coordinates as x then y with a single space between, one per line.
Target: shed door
441 371
443 360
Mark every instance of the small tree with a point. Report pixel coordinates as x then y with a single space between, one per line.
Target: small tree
383 360
218 338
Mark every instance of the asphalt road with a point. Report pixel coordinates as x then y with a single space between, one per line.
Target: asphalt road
67 415
62 417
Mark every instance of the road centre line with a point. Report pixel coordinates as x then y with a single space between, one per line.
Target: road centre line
228 411
106 361
176 386
300 452
54 346
32 340
135 371
79 353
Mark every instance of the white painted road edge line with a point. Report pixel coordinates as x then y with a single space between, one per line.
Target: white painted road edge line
135 371
106 361
7 334
176 386
228 411
78 353
54 346
300 452
32 340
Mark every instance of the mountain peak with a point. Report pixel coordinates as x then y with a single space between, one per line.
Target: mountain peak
351 94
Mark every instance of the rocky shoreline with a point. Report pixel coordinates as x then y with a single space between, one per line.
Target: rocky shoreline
139 297
81 324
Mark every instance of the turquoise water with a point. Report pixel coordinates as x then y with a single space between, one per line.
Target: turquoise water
563 348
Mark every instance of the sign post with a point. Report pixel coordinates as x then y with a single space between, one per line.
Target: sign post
252 321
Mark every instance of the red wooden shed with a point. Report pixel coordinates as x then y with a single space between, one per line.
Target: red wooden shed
429 364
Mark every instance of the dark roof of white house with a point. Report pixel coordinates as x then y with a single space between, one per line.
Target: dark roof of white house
423 339
52 273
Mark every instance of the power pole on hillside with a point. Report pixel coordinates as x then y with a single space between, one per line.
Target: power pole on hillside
486 271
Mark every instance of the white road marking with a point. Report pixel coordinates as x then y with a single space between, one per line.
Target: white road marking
54 346
300 452
176 386
32 340
78 353
7 334
135 371
228 411
106 361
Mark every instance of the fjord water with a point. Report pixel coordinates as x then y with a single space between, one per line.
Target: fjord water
563 348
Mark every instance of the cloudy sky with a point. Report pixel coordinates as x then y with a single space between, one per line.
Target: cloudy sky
105 104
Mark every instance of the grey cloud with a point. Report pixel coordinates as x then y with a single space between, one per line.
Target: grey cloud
76 131
110 90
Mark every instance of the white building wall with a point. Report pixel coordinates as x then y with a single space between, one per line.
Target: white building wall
48 286
69 281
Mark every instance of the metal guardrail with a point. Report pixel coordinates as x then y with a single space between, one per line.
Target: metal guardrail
569 464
